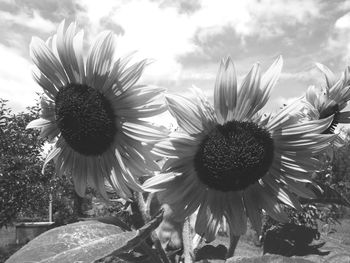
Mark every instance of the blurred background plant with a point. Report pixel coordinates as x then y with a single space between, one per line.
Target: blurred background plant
333 193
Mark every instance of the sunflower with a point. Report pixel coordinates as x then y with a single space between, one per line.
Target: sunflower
94 110
230 162
330 99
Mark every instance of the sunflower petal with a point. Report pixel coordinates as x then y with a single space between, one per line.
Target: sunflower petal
248 93
176 145
143 131
47 62
235 214
330 78
344 117
56 151
270 204
225 91
307 127
269 80
186 113
281 193
131 75
79 174
299 188
39 123
46 84
100 59
205 109
206 225
253 210
78 41
158 182
66 51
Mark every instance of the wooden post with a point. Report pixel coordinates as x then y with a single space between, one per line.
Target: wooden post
50 207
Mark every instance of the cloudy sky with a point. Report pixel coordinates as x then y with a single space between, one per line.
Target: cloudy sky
186 39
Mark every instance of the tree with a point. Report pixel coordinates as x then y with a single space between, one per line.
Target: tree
24 190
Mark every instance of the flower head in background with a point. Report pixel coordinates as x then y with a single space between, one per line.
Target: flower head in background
93 106
229 161
330 99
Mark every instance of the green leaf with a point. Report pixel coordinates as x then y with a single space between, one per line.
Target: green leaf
112 220
81 242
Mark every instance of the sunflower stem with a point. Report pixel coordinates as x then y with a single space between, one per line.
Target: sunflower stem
187 241
159 248
148 203
233 244
144 208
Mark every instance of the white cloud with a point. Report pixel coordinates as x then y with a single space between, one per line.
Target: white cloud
157 33
343 22
340 39
34 21
16 82
254 17
267 17
162 33
293 11
311 74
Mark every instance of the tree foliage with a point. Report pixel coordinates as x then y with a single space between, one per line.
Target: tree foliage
24 190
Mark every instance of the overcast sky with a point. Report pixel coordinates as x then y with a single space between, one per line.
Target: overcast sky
186 38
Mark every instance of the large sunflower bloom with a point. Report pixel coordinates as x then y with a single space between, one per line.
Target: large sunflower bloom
330 99
94 108
230 163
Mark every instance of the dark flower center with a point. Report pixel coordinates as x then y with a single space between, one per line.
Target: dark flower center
328 112
85 119
234 156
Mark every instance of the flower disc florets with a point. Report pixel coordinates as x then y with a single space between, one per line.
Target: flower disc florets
234 155
85 118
